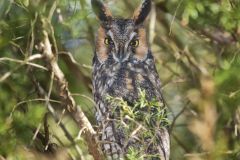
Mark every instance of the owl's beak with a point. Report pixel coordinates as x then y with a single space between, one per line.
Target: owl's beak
120 56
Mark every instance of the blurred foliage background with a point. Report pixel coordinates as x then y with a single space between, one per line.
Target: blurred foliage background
197 51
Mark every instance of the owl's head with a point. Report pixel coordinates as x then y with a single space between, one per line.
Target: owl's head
121 39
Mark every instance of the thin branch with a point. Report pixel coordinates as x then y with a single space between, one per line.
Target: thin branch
185 148
52 9
174 16
36 132
46 131
31 100
178 115
8 74
207 153
74 61
42 93
84 96
2 158
27 61
152 24
22 63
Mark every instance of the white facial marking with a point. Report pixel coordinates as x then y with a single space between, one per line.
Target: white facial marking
130 39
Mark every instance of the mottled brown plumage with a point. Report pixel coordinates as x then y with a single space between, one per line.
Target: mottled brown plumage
123 64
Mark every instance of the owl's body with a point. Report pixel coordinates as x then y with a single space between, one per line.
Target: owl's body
123 64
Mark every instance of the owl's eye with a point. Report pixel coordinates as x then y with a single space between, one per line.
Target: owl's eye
134 43
108 41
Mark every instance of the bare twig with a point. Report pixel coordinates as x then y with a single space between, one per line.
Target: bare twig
36 132
42 93
185 148
152 24
207 153
22 63
174 16
31 100
46 131
8 74
178 115
2 158
74 61
84 96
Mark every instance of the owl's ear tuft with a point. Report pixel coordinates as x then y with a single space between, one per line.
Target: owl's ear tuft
101 10
142 12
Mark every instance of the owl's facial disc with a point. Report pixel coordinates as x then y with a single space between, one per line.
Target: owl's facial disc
122 40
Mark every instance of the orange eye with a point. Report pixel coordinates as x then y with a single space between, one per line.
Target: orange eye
134 43
108 41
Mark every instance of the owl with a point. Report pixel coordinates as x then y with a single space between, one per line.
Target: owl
123 67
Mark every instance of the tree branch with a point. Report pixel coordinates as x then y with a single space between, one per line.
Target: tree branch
68 101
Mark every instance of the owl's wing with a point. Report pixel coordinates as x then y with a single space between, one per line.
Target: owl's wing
154 79
163 134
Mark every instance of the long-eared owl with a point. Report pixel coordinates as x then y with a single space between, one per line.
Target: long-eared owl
123 67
